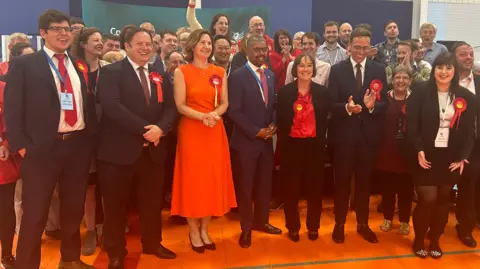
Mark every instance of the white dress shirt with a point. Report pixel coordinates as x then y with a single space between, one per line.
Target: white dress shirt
255 69
323 71
63 126
145 70
362 68
468 83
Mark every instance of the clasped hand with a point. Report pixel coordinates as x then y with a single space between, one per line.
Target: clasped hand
153 134
210 119
267 133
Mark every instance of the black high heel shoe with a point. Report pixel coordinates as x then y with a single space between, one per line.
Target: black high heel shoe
196 249
210 246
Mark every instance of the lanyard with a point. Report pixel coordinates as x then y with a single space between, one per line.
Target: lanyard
330 59
258 80
444 111
62 79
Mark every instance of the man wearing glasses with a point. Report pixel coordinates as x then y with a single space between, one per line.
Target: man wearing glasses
52 126
257 27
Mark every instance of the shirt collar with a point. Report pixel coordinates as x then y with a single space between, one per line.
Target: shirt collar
136 66
355 63
254 67
468 79
324 46
51 53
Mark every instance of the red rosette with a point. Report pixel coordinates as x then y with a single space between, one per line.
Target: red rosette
82 67
216 82
156 78
377 86
460 105
404 112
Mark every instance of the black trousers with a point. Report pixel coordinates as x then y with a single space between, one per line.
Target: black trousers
171 142
302 158
357 160
7 217
468 199
116 182
253 176
394 185
68 163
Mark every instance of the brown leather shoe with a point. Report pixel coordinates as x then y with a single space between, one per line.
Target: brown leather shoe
74 265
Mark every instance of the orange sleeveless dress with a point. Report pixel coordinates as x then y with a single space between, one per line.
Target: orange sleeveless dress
202 184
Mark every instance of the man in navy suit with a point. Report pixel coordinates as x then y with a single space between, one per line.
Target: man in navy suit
137 115
52 125
251 98
355 130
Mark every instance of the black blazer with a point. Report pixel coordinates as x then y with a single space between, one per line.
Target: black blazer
423 120
125 114
286 98
345 129
32 105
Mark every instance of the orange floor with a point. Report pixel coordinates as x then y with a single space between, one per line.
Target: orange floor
269 251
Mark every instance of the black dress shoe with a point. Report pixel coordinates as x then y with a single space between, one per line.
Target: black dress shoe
466 237
267 228
313 235
366 233
74 265
294 236
434 250
419 250
8 262
161 252
245 240
338 235
115 263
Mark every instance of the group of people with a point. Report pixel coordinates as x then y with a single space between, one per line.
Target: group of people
100 118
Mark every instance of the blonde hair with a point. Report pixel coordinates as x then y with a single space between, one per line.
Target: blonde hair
428 25
113 56
182 30
16 36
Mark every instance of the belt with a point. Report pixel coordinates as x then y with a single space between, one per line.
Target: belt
68 136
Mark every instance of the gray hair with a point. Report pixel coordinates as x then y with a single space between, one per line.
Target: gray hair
16 36
428 25
255 39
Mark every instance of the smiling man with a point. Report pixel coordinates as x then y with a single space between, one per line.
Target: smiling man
55 134
331 52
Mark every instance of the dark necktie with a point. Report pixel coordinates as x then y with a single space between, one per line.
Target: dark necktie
358 76
143 80
66 87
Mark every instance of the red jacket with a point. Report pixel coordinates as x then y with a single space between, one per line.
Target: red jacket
3 69
280 68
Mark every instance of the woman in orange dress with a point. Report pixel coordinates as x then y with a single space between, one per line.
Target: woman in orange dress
202 184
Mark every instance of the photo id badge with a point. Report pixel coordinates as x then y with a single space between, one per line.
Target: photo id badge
66 101
442 137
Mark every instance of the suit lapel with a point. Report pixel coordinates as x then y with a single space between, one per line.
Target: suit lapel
367 75
133 78
42 57
351 76
256 88
153 86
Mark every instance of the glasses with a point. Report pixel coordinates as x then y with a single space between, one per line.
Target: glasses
58 29
366 48
260 50
257 25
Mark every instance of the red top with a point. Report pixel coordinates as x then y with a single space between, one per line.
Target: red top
279 67
304 117
3 68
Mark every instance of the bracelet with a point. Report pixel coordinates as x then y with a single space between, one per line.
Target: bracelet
191 5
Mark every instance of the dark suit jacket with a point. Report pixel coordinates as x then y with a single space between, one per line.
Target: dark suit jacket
125 114
158 65
287 96
247 110
345 130
423 120
32 105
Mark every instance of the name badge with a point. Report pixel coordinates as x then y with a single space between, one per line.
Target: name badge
442 137
66 101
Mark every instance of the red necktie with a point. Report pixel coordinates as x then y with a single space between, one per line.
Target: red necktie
263 79
66 87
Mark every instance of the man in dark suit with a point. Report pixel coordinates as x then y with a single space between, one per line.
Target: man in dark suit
51 124
169 44
251 98
355 130
468 189
137 114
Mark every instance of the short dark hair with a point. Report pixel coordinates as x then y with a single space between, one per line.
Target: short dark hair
331 23
458 44
388 23
297 62
167 32
111 37
167 57
74 20
276 40
193 40
130 34
416 40
218 37
360 32
82 38
312 35
51 16
413 45
406 43
18 49
127 28
364 26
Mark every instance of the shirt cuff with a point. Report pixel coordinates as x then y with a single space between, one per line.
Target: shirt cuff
349 113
